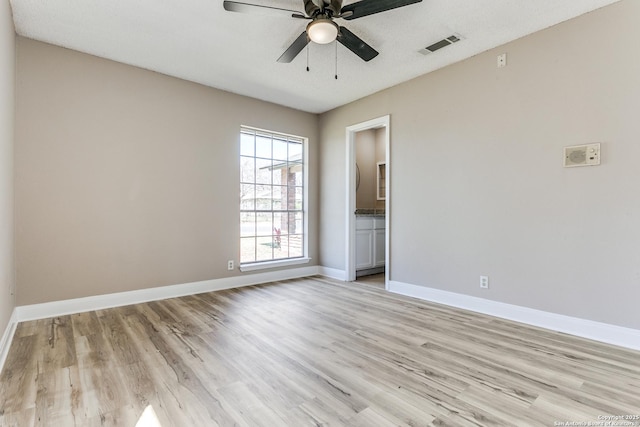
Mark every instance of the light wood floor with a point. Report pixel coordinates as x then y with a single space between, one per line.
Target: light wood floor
376 280
308 352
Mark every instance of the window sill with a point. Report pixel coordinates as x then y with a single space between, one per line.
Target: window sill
273 264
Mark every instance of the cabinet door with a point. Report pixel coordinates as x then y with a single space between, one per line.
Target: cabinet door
379 245
364 249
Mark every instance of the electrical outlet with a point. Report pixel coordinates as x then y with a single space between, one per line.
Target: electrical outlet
502 60
230 264
484 282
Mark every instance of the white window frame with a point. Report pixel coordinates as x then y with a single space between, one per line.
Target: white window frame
304 259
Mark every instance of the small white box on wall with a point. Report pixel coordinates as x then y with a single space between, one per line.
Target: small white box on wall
582 155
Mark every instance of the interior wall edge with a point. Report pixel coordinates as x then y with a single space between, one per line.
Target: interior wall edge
7 144
7 337
333 273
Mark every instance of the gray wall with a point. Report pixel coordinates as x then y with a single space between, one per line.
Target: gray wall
370 149
125 178
7 85
478 186
365 144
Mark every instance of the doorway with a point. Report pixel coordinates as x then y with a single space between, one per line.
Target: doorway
382 127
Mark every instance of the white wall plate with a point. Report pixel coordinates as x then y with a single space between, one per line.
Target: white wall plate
582 155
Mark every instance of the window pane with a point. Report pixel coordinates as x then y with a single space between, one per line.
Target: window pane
263 197
298 200
247 169
263 171
279 174
277 229
292 224
247 197
281 251
247 249
279 198
296 171
279 149
280 223
246 145
299 222
247 224
295 245
263 147
295 151
264 248
264 224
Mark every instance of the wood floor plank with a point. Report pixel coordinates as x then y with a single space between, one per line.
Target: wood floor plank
310 351
60 350
18 387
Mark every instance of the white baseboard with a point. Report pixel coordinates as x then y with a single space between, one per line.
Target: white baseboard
98 302
333 273
7 337
611 334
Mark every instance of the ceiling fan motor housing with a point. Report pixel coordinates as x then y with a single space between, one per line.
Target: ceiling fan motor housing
314 7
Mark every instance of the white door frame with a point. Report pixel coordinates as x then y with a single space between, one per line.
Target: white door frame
350 252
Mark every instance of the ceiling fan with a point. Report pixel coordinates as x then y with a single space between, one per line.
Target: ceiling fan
322 29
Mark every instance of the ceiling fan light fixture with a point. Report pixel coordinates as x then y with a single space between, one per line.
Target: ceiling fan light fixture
322 30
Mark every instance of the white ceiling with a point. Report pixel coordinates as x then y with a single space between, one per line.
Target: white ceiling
198 40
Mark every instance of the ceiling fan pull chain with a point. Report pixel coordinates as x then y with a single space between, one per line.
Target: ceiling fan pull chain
307 58
336 43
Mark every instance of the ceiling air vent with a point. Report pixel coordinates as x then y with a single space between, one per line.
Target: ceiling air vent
440 44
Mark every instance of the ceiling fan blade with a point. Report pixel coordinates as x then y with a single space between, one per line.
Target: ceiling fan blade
295 48
356 45
236 6
369 7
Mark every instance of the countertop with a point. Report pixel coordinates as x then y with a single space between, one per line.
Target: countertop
370 212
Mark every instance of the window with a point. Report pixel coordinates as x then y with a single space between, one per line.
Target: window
272 198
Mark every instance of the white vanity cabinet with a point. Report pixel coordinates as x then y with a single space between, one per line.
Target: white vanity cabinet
370 242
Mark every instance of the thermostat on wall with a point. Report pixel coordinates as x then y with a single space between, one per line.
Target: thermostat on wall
582 155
